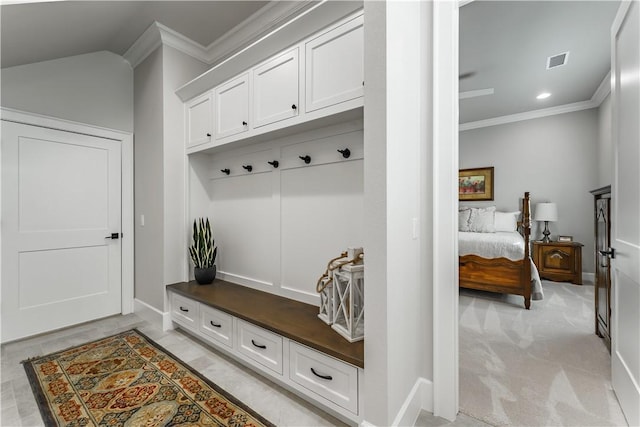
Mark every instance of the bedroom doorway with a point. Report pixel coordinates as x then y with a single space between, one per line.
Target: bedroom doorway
499 387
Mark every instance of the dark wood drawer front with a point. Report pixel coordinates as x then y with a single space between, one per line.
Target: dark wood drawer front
560 259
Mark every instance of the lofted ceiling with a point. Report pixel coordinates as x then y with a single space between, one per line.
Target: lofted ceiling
504 45
34 32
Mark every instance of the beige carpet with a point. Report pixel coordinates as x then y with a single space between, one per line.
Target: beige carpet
538 367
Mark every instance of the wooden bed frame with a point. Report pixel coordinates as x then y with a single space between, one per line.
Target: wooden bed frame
501 274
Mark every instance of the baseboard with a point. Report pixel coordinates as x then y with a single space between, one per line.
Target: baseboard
420 398
588 278
148 313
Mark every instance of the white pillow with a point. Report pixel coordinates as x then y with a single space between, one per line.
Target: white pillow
463 219
482 220
507 221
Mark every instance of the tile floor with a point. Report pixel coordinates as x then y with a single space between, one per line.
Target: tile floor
283 408
18 406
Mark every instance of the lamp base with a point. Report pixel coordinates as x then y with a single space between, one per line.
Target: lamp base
546 233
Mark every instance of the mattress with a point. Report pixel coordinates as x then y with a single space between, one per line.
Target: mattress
500 244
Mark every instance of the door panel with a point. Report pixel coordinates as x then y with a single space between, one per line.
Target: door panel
625 353
61 200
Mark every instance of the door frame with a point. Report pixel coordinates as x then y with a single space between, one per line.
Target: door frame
126 141
445 205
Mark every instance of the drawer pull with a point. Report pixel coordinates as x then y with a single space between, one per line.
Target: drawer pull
258 345
186 310
324 377
214 325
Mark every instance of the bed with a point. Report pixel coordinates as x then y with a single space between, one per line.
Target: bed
498 261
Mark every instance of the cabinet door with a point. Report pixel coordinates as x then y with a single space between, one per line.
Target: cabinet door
200 120
232 107
275 89
335 66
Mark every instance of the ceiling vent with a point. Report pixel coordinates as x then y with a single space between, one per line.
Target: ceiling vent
557 60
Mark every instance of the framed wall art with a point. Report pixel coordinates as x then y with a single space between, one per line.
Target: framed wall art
475 184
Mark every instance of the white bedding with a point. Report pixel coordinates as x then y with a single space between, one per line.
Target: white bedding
505 244
508 245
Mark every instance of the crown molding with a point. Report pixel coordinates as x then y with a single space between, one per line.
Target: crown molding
182 43
603 90
266 19
144 45
528 115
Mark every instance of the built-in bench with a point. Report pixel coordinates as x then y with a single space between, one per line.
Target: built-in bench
278 337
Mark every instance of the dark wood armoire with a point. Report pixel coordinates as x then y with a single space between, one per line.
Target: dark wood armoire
602 207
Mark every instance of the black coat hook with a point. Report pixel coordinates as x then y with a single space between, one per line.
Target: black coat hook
225 171
307 159
275 164
346 153
248 168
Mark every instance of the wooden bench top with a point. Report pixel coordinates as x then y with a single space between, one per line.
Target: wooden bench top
291 319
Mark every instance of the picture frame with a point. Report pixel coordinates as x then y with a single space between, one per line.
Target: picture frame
565 238
475 184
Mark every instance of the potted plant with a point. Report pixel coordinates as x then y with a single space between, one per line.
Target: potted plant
203 252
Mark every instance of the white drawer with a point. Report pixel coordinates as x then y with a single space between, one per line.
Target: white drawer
184 311
260 345
216 324
328 377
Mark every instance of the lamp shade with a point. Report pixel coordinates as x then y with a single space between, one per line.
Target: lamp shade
546 212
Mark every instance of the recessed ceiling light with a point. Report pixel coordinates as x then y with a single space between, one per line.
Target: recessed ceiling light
543 95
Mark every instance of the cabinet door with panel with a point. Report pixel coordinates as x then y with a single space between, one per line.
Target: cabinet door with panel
335 66
200 120
275 89
232 107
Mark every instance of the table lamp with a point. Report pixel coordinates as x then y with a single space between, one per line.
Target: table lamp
546 212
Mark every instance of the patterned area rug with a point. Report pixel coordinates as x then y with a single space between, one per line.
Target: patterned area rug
128 380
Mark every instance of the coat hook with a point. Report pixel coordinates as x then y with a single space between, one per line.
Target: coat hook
248 168
306 159
225 171
346 153
275 164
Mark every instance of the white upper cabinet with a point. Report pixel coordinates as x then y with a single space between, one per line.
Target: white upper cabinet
275 89
232 107
335 65
200 120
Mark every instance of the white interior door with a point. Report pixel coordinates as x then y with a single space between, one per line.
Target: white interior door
625 343
61 202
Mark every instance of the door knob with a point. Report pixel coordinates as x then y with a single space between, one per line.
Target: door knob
611 253
113 236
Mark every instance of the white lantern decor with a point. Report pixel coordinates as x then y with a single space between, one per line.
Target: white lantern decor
348 297
325 289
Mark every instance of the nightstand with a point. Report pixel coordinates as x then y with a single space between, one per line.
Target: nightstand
559 261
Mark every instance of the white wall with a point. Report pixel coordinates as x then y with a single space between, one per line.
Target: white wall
605 144
178 69
160 172
554 158
95 88
398 343
149 179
